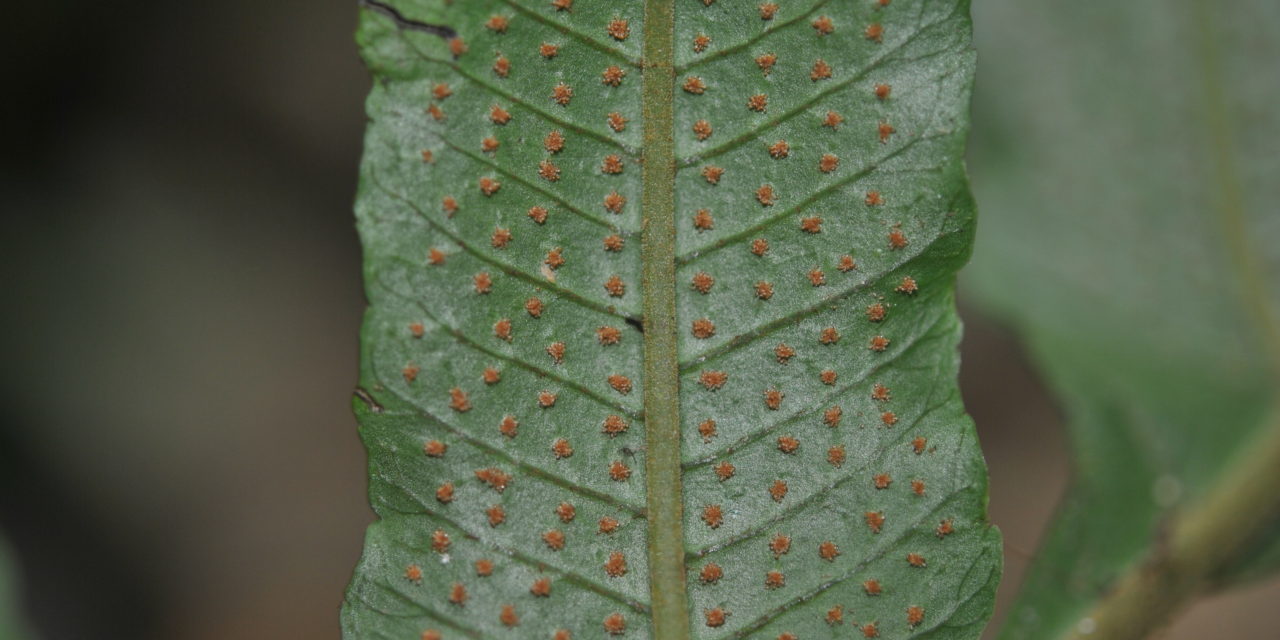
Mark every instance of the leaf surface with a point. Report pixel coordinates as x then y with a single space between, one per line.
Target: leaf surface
12 624
625 372
1126 166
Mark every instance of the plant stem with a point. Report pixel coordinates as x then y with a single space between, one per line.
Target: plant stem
1211 534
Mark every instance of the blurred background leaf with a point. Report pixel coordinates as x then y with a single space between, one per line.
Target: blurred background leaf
12 625
1125 165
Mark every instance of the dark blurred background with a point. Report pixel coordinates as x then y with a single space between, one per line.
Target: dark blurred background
182 296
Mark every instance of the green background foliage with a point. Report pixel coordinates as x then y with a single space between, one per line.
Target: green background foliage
12 626
1126 169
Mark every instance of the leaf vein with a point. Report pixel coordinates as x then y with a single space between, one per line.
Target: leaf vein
459 336
568 574
812 595
572 208
701 252
763 35
514 272
793 509
755 132
574 33
761 432
766 329
507 95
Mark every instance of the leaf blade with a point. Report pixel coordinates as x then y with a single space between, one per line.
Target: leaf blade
430 330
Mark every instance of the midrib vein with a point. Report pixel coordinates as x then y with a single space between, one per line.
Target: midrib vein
670 616
1252 285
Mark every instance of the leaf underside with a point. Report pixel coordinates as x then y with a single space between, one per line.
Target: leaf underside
831 483
1130 231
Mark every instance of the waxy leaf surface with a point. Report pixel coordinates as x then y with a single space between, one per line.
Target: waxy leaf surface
661 339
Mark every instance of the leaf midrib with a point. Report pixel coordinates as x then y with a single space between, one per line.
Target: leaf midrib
1243 255
664 498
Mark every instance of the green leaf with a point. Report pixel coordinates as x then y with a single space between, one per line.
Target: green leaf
754 440
1126 166
12 625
